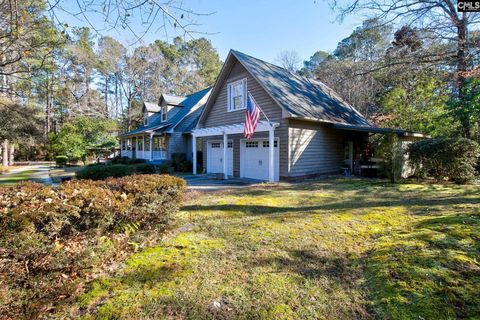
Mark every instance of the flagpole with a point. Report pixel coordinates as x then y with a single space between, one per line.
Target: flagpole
258 106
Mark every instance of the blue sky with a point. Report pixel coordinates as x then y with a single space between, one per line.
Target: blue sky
262 28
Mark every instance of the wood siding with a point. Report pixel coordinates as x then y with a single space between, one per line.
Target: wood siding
217 115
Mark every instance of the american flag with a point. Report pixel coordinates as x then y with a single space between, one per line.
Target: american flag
252 116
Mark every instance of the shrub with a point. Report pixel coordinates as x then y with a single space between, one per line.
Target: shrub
185 166
61 160
144 168
121 160
101 172
445 158
177 159
166 167
53 240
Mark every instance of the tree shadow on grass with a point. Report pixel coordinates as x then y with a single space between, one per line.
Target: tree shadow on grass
430 272
343 205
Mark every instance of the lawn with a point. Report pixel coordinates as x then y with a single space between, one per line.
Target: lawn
16 177
340 249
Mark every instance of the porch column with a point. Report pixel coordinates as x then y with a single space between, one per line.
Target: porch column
271 158
194 151
225 148
151 146
143 146
129 147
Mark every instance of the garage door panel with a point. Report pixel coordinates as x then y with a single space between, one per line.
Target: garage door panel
254 159
215 157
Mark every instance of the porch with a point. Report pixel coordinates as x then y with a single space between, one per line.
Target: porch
148 147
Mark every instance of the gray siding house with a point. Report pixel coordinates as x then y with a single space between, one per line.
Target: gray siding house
166 128
305 129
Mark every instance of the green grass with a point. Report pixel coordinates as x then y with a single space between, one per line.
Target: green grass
13 178
344 249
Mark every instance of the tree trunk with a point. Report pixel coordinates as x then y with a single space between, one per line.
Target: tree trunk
106 96
462 50
5 153
48 109
11 155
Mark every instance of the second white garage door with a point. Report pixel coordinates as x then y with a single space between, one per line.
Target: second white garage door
215 157
254 159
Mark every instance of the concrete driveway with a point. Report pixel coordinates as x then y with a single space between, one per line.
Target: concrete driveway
206 182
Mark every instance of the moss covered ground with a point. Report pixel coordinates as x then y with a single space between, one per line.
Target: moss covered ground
337 249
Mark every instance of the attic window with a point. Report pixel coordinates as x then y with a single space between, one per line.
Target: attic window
164 113
237 95
145 119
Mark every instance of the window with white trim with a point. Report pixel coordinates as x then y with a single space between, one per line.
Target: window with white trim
230 145
164 113
215 145
251 144
237 95
145 119
266 144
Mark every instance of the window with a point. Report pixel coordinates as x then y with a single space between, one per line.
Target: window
159 143
230 145
147 143
266 144
124 145
251 144
215 145
164 113
145 119
139 144
237 95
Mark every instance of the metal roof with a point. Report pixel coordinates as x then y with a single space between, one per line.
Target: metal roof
151 106
189 105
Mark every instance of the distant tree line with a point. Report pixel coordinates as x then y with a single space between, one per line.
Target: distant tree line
55 74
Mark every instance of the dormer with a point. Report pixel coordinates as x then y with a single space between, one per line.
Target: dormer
149 110
169 106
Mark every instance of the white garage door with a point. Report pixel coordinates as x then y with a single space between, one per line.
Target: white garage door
254 159
215 157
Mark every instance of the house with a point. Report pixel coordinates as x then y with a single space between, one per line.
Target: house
305 129
166 128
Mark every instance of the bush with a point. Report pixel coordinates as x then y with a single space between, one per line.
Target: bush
185 166
101 172
127 160
166 167
144 168
445 158
177 159
54 240
61 160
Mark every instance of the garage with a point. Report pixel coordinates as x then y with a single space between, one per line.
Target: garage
254 159
215 157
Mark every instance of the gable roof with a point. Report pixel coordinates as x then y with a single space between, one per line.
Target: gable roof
172 100
151 107
189 104
300 97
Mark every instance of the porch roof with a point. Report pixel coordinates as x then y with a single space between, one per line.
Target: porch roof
371 129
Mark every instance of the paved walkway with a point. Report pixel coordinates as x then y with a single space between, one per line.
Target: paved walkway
40 173
207 182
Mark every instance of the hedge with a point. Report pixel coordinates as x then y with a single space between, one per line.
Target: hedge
61 160
53 240
102 171
454 159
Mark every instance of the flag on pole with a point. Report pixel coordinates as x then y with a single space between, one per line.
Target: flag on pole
252 116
